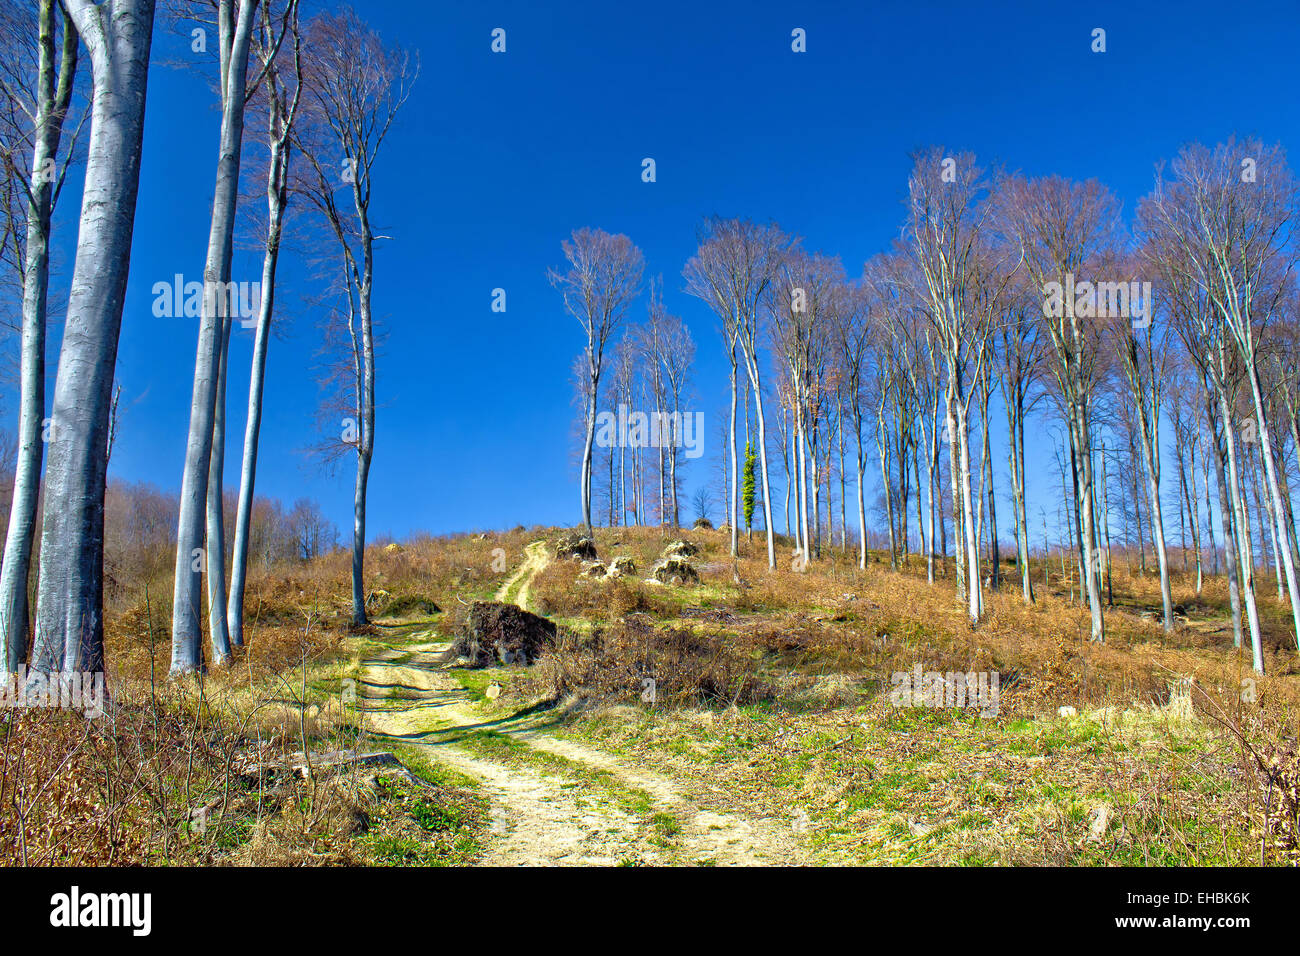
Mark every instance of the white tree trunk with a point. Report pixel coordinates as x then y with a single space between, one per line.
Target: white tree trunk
1089 525
1279 516
974 589
53 96
69 615
218 631
191 525
1241 536
734 504
256 387
756 381
1149 427
862 503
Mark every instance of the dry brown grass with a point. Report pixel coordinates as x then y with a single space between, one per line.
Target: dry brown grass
817 645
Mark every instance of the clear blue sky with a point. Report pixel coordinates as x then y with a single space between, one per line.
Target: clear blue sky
496 158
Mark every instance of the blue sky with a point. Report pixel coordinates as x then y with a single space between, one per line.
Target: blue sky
497 157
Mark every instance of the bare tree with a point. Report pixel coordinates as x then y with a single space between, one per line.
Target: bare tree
731 272
69 617
356 85
1062 229
200 510
281 94
1020 355
39 184
960 287
800 303
1143 352
602 280
313 533
668 345
854 338
1236 233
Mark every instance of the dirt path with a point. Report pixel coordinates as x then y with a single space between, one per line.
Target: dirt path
535 559
545 816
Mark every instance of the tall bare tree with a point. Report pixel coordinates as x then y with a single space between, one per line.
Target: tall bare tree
731 272
69 615
854 337
1143 350
282 92
1197 322
1238 231
600 283
960 285
355 85
1064 228
1020 356
200 513
667 344
47 105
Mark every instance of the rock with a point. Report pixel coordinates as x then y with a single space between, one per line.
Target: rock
703 523
592 569
575 547
681 548
620 567
675 570
495 632
1100 821
393 548
493 691
1067 712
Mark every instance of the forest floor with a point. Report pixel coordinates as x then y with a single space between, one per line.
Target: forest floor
744 718
554 801
775 744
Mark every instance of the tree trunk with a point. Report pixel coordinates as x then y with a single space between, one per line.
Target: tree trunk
587 445
1229 537
1241 535
1149 427
1279 519
958 548
53 96
886 484
1105 522
974 589
862 500
734 518
756 381
1090 526
276 201
366 444
69 617
218 631
186 598
844 508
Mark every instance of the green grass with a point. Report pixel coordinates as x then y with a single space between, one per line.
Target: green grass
600 783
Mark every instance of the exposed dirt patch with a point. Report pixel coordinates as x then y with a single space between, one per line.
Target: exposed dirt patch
535 559
541 818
